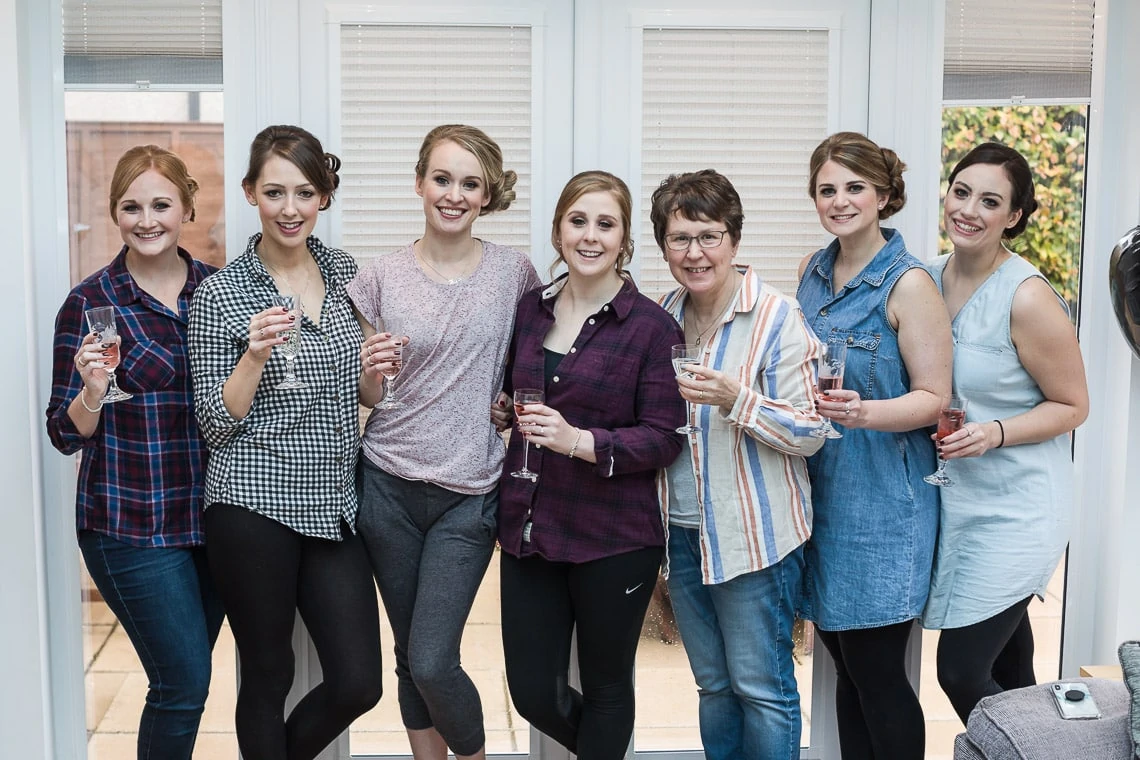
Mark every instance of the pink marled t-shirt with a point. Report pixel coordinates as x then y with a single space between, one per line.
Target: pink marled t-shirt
453 365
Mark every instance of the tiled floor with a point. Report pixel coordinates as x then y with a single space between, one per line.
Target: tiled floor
667 702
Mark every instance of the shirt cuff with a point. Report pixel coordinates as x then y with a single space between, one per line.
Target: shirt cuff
733 415
603 452
215 420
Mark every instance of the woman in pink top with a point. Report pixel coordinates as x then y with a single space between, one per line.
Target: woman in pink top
440 310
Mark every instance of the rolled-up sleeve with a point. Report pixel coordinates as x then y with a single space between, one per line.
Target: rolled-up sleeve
66 382
214 352
778 409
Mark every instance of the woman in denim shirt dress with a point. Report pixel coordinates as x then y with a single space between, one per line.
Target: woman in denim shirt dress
869 557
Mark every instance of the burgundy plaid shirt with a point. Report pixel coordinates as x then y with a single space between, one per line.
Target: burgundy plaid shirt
142 473
617 381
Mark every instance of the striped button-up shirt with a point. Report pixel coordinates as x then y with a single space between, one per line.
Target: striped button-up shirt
292 458
752 488
141 474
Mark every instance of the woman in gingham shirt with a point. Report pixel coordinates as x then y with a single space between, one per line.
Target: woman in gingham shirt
280 488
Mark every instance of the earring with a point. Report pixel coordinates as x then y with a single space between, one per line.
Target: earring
253 203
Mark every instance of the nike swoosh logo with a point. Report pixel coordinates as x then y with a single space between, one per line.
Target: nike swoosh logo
629 591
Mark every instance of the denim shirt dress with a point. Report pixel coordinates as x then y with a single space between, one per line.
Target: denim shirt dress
876 521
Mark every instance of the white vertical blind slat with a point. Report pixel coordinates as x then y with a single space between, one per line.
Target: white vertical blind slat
751 104
397 82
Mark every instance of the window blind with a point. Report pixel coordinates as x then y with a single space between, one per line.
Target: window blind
1014 50
752 104
397 82
160 42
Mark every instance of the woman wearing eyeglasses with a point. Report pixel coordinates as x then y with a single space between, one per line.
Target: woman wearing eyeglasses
737 500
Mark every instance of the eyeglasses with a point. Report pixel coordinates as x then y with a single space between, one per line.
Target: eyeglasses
679 241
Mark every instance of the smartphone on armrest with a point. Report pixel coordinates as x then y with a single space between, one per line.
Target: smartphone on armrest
1074 702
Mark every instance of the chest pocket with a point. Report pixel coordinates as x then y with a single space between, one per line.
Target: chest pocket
862 359
148 366
605 386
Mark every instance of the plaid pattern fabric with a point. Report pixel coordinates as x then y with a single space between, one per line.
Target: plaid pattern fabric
293 457
617 381
141 473
749 465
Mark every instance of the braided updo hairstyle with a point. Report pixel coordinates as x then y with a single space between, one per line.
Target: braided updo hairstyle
500 183
880 166
300 148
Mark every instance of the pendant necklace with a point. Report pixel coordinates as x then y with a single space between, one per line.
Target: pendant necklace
467 270
717 320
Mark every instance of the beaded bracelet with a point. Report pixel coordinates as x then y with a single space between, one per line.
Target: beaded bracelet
83 400
1001 427
574 448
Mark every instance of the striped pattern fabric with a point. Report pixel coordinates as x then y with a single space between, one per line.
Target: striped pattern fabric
751 478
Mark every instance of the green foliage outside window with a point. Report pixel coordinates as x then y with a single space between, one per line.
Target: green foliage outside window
1052 139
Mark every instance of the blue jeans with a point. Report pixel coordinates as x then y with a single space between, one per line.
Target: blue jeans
738 636
166 603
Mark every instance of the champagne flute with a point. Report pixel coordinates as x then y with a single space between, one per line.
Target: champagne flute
101 320
395 364
686 353
522 397
832 362
292 345
950 419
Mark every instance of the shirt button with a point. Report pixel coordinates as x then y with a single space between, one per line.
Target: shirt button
339 459
336 397
555 378
591 320
573 350
606 307
823 312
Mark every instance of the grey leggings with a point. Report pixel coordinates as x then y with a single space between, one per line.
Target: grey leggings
429 549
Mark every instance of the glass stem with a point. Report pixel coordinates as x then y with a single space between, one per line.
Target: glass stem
526 454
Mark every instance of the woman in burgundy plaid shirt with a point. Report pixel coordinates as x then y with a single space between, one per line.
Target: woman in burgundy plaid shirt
582 544
138 498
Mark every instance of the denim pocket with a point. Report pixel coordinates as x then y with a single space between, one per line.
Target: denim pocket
862 359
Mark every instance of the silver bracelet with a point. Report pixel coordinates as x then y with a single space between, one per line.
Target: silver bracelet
83 400
574 448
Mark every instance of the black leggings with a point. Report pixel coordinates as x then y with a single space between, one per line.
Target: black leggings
986 658
265 572
878 713
542 604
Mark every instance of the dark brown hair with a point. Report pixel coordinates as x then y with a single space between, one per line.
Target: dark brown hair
1016 171
697 196
299 148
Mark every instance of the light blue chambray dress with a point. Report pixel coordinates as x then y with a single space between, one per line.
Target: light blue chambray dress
1005 522
872 544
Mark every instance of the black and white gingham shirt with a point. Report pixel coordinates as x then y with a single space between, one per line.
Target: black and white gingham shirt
293 457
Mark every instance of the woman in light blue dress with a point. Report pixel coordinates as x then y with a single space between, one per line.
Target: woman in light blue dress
1005 522
873 534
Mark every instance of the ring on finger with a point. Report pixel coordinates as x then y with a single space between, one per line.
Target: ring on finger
261 332
81 362
847 408
969 432
701 395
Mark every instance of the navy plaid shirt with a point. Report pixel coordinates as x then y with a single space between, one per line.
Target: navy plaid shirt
617 381
142 473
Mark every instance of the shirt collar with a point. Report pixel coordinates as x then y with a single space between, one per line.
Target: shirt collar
876 270
622 303
127 290
321 254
